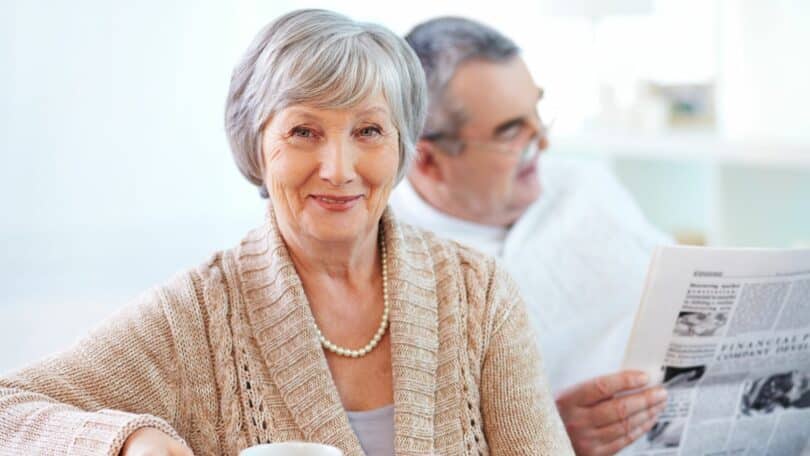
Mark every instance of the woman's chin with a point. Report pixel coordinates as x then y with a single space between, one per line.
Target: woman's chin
338 227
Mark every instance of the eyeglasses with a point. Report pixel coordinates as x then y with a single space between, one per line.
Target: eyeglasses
524 144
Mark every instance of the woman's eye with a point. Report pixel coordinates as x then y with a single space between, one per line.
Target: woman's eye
302 132
369 131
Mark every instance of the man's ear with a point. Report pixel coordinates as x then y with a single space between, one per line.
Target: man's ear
427 163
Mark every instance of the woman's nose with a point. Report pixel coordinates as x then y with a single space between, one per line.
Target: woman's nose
337 163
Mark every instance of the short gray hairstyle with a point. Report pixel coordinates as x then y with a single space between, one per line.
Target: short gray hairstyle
443 45
329 61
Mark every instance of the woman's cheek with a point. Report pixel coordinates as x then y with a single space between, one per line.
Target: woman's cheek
285 179
385 162
386 172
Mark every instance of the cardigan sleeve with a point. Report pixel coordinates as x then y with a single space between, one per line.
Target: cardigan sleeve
519 414
89 399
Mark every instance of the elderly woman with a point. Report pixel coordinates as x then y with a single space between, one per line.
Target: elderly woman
331 323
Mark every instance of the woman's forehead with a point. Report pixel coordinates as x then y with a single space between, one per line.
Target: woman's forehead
373 106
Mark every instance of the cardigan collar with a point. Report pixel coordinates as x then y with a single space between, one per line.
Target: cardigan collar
284 328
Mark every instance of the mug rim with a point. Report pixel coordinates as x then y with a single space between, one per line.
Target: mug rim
292 443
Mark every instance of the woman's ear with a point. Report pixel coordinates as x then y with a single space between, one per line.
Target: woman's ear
262 163
262 166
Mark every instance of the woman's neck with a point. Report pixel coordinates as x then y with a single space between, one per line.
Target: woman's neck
354 262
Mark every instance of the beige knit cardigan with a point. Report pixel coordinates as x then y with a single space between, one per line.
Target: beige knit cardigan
226 355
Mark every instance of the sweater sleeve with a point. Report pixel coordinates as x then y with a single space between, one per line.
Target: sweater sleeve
89 399
519 414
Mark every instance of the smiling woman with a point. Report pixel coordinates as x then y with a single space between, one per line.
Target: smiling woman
329 173
330 323
345 70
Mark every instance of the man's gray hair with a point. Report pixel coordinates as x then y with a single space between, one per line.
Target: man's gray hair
443 45
328 61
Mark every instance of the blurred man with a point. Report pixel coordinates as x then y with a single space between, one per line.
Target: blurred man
569 234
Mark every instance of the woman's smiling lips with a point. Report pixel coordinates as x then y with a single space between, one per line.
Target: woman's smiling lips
336 202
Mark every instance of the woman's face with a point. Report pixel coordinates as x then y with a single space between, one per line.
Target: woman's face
329 172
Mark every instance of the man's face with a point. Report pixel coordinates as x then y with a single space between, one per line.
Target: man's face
487 180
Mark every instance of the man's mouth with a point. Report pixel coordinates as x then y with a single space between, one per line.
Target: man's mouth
527 171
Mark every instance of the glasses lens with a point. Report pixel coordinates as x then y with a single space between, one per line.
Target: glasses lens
529 152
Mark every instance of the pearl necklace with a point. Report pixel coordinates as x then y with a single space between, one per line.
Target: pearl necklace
342 351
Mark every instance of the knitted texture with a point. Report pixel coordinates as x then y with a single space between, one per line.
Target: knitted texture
226 356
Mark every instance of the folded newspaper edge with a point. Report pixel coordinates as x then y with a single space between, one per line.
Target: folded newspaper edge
727 331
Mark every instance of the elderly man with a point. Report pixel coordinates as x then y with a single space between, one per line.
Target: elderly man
568 233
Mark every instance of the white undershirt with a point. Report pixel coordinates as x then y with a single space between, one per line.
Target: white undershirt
375 430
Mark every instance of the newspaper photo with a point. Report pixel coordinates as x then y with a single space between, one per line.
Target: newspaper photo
727 332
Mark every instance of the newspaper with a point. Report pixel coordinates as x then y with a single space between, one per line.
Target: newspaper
727 331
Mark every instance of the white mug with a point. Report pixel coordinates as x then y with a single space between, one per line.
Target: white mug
291 449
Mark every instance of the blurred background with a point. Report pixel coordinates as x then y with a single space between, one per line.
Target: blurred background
116 172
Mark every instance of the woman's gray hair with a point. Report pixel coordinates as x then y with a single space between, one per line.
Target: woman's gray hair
325 60
443 45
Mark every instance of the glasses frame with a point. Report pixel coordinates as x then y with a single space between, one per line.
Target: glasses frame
455 145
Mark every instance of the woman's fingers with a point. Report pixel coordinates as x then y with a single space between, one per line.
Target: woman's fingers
151 442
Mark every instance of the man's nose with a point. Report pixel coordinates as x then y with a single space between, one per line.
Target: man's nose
541 133
542 141
337 163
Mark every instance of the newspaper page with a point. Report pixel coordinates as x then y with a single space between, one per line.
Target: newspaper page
727 331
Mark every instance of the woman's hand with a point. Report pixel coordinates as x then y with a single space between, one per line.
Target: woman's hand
599 423
152 442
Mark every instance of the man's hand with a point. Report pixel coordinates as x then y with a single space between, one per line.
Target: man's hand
599 423
150 441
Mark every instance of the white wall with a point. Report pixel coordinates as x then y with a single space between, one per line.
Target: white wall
115 168
121 106
764 71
